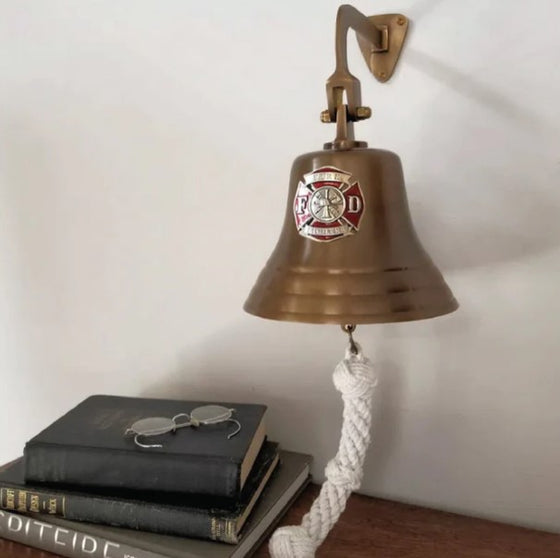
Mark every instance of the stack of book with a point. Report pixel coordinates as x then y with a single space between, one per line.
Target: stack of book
89 486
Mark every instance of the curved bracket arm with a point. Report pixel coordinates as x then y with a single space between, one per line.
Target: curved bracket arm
381 39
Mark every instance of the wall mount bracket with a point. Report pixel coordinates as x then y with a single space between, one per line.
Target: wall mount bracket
381 39
382 63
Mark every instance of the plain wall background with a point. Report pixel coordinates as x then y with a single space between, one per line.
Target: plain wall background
145 149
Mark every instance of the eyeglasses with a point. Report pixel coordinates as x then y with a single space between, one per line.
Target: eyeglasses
157 426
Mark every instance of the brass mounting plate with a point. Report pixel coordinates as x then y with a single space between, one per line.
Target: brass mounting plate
382 63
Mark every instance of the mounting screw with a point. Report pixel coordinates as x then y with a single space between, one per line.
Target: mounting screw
401 20
325 117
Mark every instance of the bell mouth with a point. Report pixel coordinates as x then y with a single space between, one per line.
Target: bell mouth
323 297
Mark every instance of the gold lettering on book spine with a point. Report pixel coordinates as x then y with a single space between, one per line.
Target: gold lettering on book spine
231 535
52 506
24 501
34 503
214 528
8 498
223 530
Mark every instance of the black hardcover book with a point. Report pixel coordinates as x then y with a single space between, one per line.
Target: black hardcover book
86 540
169 513
87 447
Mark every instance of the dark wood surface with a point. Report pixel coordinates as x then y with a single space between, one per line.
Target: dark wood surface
374 528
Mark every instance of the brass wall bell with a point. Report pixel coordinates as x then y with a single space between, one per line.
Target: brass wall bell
348 252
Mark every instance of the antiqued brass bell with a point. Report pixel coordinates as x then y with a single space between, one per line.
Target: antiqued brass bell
348 252
378 273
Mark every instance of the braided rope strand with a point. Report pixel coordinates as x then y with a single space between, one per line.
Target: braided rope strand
355 379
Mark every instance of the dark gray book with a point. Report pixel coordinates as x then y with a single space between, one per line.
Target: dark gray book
185 515
87 447
84 540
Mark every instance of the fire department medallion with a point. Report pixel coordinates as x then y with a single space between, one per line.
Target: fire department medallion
328 205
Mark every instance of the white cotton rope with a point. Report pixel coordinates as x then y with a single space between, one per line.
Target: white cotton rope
355 378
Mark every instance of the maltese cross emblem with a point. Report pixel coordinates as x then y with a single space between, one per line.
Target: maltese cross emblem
328 205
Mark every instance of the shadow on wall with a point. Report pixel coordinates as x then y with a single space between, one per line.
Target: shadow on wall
386 421
465 85
306 419
498 173
511 229
239 364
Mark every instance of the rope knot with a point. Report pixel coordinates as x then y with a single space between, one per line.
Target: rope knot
354 377
292 542
343 477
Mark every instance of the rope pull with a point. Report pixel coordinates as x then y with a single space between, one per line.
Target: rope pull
354 377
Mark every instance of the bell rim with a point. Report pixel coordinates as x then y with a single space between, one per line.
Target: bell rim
340 319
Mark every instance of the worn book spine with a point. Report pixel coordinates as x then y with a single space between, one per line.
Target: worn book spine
55 463
170 520
64 542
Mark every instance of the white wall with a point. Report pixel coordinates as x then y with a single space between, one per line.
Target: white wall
145 149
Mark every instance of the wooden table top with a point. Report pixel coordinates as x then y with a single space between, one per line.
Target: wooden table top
375 528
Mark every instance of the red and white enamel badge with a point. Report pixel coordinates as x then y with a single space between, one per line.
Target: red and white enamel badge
328 205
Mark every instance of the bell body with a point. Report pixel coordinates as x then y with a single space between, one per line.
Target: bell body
349 254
